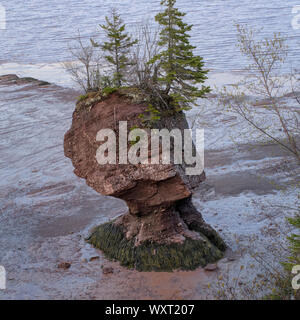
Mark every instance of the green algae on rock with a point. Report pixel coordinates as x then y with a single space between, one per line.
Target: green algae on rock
151 256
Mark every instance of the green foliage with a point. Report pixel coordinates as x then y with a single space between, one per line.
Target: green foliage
150 116
108 90
283 289
180 70
133 128
117 46
154 113
106 82
294 240
132 143
82 97
179 75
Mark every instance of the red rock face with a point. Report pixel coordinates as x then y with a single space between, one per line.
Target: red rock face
145 188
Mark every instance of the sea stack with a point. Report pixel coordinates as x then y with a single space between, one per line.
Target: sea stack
162 230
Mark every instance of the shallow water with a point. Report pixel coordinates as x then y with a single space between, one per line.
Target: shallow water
39 31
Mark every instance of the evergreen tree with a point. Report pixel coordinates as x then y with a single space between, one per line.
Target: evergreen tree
117 46
180 70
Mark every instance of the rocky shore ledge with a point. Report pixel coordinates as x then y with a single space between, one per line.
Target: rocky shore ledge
12 79
162 230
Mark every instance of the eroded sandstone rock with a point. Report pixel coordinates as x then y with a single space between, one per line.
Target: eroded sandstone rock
162 230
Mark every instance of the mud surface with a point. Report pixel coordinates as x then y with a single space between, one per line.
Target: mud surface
46 211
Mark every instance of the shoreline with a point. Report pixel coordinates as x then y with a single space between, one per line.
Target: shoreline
55 73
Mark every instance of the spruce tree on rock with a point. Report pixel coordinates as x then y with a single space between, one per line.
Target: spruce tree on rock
180 70
117 46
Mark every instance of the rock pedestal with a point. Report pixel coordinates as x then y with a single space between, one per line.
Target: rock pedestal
162 230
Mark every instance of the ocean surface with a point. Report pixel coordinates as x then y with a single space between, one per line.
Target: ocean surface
38 32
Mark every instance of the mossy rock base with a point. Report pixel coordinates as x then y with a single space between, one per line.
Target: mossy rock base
148 256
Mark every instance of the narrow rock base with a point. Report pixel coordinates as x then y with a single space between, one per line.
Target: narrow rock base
151 256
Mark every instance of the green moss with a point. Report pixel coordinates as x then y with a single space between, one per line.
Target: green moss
86 101
82 97
152 256
108 91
